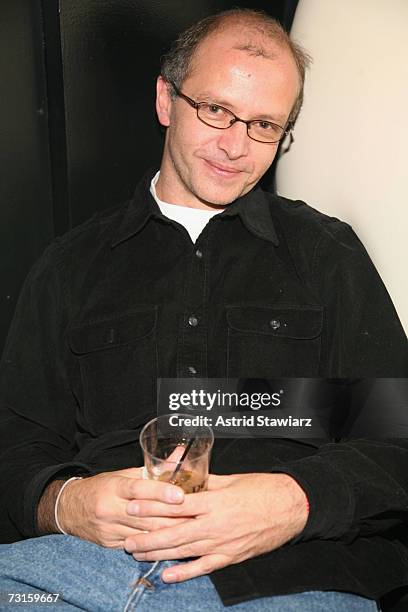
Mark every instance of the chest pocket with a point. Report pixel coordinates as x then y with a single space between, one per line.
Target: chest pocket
269 341
118 363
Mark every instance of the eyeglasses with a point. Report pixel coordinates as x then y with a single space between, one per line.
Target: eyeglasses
221 118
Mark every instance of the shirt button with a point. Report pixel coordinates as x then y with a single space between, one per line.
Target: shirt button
191 370
275 324
199 253
193 321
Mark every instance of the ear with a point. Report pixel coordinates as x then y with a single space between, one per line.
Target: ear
163 101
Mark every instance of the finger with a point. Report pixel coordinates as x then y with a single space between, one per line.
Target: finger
192 569
150 522
195 504
195 549
131 488
192 530
112 538
153 523
169 465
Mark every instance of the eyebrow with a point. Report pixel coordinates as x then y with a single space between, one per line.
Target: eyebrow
206 97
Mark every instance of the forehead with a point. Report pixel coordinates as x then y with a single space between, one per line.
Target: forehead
230 65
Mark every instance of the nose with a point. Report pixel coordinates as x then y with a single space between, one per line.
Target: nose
234 141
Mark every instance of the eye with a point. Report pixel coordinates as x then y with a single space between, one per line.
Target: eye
266 125
214 109
271 130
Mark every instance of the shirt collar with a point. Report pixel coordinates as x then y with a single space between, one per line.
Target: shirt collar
253 208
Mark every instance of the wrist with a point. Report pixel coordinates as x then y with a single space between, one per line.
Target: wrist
60 514
45 511
300 504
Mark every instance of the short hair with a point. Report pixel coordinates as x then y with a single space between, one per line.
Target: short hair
177 62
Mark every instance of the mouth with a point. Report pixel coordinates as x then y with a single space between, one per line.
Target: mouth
222 170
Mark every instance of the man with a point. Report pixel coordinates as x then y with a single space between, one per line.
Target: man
270 288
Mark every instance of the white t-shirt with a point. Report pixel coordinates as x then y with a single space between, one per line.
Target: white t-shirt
193 219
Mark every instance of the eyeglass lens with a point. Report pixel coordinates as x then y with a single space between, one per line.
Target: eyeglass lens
222 118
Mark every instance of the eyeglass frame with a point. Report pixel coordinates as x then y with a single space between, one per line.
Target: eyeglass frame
286 131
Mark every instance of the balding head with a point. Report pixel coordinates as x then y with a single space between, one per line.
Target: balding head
254 32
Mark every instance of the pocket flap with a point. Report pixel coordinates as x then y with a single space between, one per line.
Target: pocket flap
298 322
108 333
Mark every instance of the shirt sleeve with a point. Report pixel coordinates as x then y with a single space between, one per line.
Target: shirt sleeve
364 335
37 408
354 488
358 486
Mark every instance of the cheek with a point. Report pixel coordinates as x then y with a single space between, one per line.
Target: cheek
265 157
202 137
187 140
189 131
258 163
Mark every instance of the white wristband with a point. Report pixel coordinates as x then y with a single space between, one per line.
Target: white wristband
57 502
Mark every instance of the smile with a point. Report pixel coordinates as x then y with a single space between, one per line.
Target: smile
221 170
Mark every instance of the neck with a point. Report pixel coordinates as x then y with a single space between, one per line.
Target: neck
169 189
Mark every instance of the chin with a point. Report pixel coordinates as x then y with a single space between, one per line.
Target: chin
218 201
219 197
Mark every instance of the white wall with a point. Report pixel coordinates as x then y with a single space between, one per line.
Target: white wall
350 155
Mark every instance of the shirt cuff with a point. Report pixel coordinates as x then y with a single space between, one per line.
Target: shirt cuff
331 503
35 488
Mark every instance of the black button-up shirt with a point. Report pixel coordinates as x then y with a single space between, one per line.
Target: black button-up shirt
272 288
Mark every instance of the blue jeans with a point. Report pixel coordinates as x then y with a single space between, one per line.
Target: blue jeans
90 577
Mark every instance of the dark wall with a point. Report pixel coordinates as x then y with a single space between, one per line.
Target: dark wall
26 208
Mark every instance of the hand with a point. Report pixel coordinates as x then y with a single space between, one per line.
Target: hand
239 517
95 508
